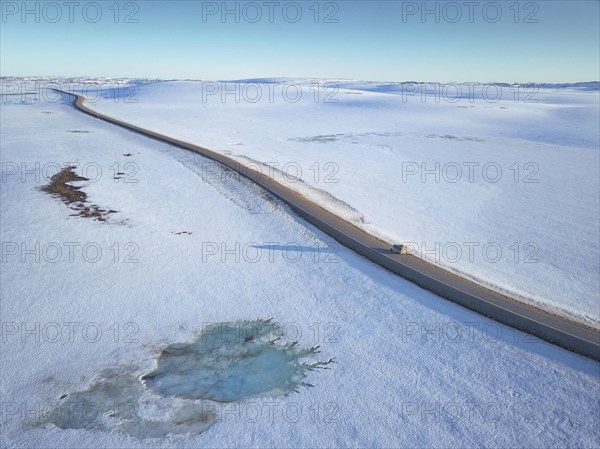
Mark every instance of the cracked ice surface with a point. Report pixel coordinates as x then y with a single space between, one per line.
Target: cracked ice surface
227 362
232 361
117 400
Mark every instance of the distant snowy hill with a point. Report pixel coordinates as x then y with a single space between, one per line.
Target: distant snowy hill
498 182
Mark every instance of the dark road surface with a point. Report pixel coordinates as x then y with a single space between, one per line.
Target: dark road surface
568 334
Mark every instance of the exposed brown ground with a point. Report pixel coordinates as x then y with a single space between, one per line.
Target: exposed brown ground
73 196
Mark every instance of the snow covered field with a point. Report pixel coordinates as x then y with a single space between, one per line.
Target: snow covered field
87 306
504 191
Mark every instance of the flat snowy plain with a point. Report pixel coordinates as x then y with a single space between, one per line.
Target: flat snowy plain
498 184
188 247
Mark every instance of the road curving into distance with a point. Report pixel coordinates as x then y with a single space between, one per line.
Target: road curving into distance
560 331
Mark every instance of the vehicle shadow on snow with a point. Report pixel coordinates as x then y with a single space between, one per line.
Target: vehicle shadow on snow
448 315
329 249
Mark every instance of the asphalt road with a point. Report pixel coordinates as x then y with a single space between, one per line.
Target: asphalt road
560 331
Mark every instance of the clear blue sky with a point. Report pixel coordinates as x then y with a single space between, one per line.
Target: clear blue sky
544 41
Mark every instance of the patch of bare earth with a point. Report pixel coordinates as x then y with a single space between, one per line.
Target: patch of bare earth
73 196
